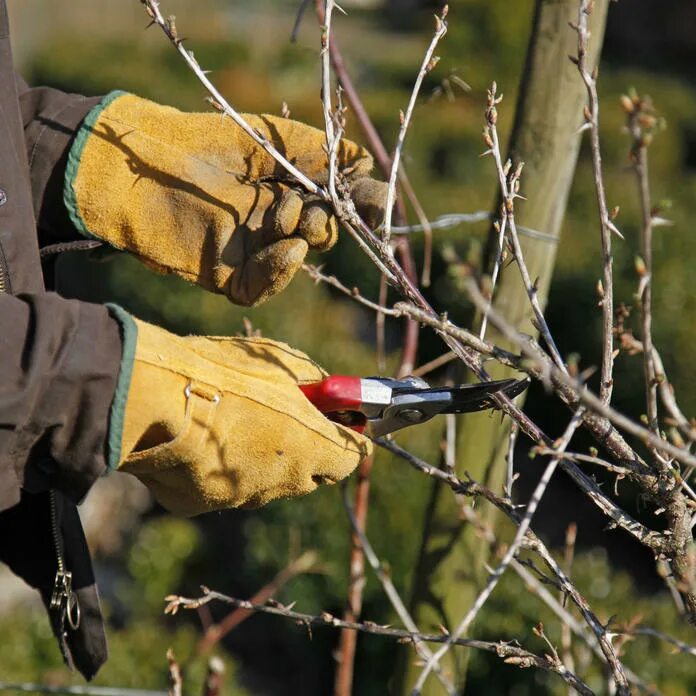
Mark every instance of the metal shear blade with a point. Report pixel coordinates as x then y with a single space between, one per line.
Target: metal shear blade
411 405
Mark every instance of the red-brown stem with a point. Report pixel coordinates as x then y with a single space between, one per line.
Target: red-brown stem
215 632
376 146
343 684
215 678
344 673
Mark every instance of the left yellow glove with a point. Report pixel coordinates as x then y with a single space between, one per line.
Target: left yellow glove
195 195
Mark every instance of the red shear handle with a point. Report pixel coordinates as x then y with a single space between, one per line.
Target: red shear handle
339 398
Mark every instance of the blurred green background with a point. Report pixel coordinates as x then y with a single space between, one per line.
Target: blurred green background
92 48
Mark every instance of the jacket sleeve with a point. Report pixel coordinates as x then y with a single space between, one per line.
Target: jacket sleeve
60 366
50 118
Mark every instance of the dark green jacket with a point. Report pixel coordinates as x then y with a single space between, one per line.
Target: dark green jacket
59 361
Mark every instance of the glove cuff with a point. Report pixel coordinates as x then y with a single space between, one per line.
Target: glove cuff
74 156
129 336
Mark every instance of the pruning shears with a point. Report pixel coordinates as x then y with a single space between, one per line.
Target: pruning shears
378 406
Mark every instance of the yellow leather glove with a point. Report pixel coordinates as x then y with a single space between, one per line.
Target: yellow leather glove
211 423
195 195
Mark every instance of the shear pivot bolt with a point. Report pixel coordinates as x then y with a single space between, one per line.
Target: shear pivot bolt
412 415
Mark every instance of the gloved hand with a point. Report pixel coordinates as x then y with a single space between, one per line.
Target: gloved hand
195 195
211 423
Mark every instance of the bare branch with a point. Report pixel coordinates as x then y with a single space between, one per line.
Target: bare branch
642 110
524 524
509 653
607 227
509 182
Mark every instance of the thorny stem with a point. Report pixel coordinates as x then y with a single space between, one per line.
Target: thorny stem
535 363
332 135
510 654
317 276
531 541
666 391
524 524
217 631
429 62
510 459
607 227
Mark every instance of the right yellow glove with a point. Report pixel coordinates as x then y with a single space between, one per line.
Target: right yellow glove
212 423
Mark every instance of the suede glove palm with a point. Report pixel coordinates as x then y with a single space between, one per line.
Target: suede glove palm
211 423
195 195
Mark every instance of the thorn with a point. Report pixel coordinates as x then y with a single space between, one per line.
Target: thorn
613 228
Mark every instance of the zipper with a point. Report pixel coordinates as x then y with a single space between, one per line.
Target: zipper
63 600
4 276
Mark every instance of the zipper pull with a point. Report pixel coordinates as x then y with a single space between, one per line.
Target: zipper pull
64 600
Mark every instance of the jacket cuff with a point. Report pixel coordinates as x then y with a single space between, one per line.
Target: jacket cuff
73 163
129 336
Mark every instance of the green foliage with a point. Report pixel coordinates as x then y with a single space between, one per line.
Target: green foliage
157 561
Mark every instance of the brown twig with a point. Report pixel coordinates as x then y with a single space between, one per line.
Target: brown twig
215 677
434 364
343 680
216 632
509 653
640 123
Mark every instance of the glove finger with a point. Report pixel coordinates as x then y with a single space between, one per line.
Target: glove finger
333 458
318 226
287 212
267 271
270 211
340 460
369 196
266 213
